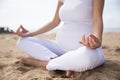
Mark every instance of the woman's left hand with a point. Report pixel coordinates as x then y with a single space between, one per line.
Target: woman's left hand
91 41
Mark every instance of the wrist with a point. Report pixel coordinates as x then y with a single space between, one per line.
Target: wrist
29 34
98 36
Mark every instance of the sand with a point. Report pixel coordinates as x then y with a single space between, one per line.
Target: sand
11 69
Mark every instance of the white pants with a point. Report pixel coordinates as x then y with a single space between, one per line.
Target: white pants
81 59
40 48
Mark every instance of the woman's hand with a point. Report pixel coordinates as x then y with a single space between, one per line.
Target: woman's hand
21 31
91 41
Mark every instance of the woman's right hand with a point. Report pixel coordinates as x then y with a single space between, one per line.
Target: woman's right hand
21 31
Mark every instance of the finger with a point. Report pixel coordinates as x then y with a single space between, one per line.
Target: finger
18 30
91 42
86 40
23 29
12 31
94 37
96 44
82 43
83 40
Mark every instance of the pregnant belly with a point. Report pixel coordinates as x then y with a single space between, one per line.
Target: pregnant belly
69 36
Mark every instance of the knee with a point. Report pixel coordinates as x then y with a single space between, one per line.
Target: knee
21 41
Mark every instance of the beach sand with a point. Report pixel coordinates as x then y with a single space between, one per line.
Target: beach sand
11 69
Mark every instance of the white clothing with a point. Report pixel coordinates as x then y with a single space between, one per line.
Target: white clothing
77 18
40 48
77 60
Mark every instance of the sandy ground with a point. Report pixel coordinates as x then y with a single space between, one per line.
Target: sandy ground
11 69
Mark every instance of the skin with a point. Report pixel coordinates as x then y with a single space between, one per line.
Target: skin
93 40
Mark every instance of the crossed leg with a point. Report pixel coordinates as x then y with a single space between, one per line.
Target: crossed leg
39 50
33 61
39 63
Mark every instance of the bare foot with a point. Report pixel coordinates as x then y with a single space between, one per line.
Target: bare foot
33 61
69 74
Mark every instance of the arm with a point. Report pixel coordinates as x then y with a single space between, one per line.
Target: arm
21 31
50 25
97 18
94 40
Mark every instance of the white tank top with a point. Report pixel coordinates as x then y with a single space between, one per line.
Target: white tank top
77 18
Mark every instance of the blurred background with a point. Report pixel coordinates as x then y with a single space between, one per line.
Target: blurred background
32 14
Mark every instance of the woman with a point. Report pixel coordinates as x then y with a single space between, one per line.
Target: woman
78 42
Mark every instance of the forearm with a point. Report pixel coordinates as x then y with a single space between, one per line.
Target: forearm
56 20
98 28
98 6
44 29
